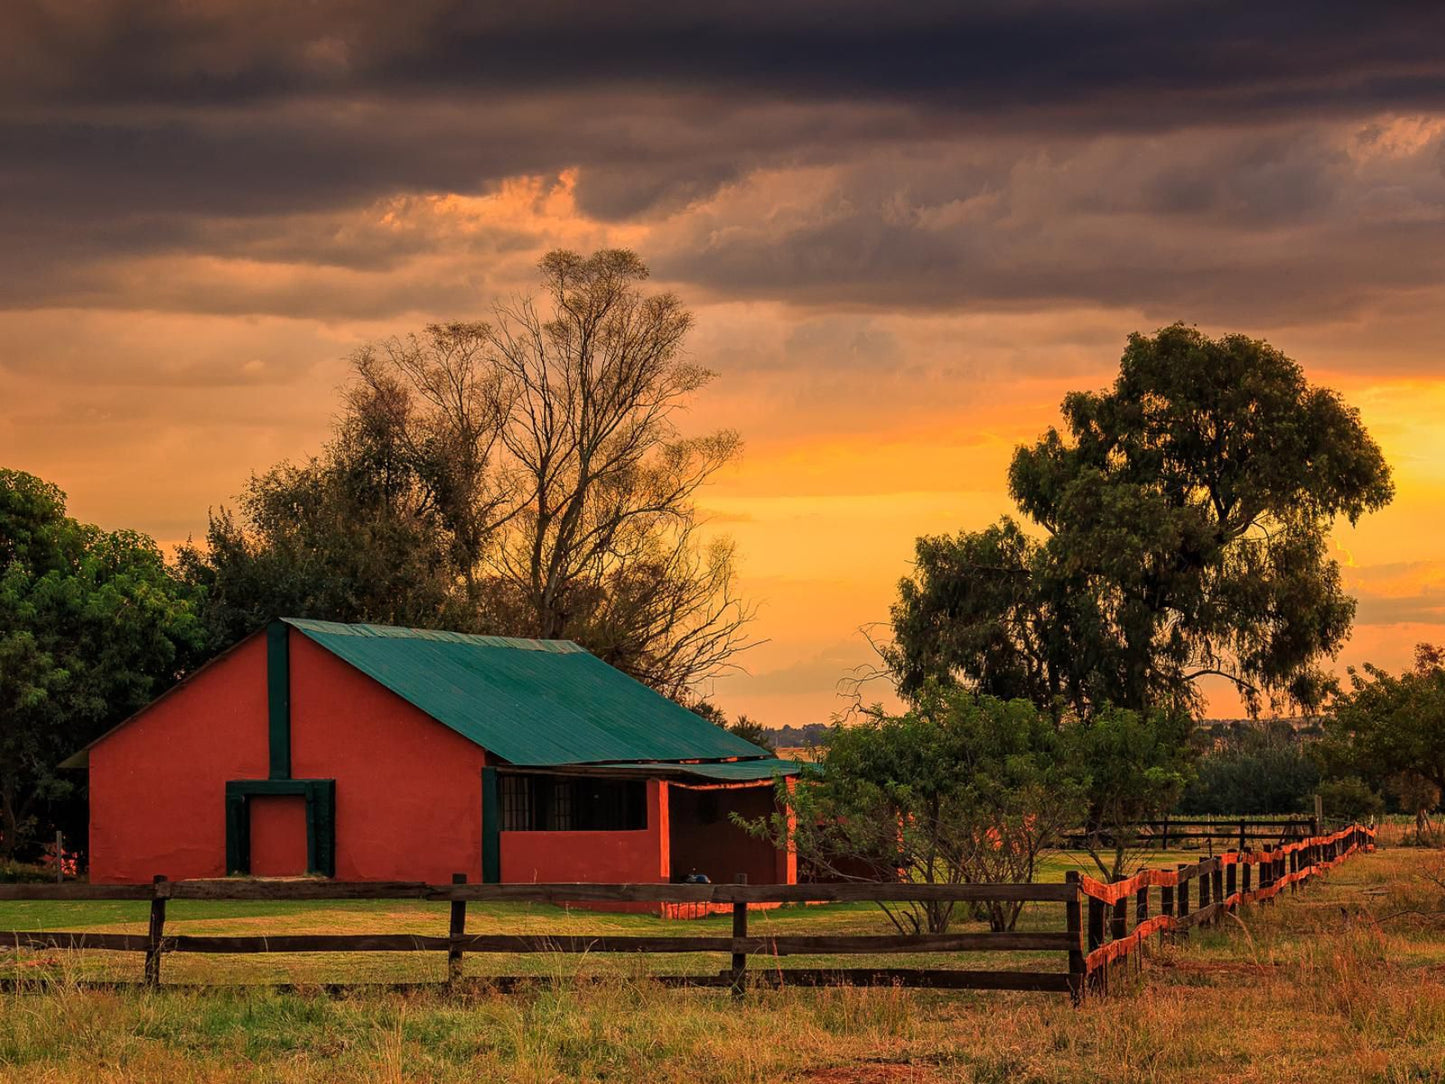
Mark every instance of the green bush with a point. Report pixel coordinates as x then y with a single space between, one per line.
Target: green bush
1350 799
22 873
1253 768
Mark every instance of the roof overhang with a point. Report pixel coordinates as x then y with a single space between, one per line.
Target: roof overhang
739 772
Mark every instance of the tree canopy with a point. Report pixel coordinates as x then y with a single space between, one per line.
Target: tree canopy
1387 731
93 625
522 476
1180 524
962 788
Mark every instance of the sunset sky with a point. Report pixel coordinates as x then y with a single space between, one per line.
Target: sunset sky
906 232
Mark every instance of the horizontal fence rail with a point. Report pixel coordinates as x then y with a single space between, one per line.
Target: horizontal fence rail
1089 942
1159 834
823 892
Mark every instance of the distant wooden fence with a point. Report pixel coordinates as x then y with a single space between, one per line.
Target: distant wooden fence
1241 831
1087 959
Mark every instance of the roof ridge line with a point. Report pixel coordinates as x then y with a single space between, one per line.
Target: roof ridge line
406 632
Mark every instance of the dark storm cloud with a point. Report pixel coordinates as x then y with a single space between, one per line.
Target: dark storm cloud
1129 57
136 127
1275 225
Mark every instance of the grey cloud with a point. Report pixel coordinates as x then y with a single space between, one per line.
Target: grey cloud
1054 62
1425 608
993 155
1271 226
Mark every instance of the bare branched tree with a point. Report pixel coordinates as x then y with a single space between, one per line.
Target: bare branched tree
547 442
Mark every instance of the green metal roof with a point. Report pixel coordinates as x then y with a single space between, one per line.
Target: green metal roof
531 702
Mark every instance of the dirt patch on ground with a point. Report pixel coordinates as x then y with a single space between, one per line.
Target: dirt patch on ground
1211 967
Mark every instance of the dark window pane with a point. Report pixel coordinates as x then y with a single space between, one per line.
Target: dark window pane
561 804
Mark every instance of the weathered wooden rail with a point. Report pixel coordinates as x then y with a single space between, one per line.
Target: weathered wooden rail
1088 950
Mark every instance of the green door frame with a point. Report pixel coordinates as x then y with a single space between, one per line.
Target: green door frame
491 828
320 798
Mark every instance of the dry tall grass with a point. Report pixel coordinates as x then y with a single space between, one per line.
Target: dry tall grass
1344 981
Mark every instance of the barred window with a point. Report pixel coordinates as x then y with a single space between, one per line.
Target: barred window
560 819
541 803
517 805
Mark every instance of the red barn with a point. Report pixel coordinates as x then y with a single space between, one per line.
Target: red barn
364 752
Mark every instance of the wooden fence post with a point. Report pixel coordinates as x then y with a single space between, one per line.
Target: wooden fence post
1231 883
160 893
1203 891
456 930
1073 924
1119 923
740 929
1218 889
1166 905
1181 898
1096 937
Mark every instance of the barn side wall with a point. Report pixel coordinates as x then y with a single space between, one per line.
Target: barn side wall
157 785
408 790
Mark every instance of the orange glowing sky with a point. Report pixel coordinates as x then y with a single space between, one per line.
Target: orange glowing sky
896 280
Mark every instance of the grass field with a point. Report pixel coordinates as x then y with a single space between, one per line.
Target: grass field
1344 981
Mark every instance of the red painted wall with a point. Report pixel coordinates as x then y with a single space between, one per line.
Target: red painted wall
278 835
408 790
158 784
599 857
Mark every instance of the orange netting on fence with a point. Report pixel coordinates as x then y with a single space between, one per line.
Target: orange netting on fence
1169 878
1121 890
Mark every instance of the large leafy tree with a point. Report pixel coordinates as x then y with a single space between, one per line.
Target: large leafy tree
1180 530
93 625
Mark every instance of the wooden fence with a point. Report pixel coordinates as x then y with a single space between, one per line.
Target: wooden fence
1224 883
1087 957
1241 831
